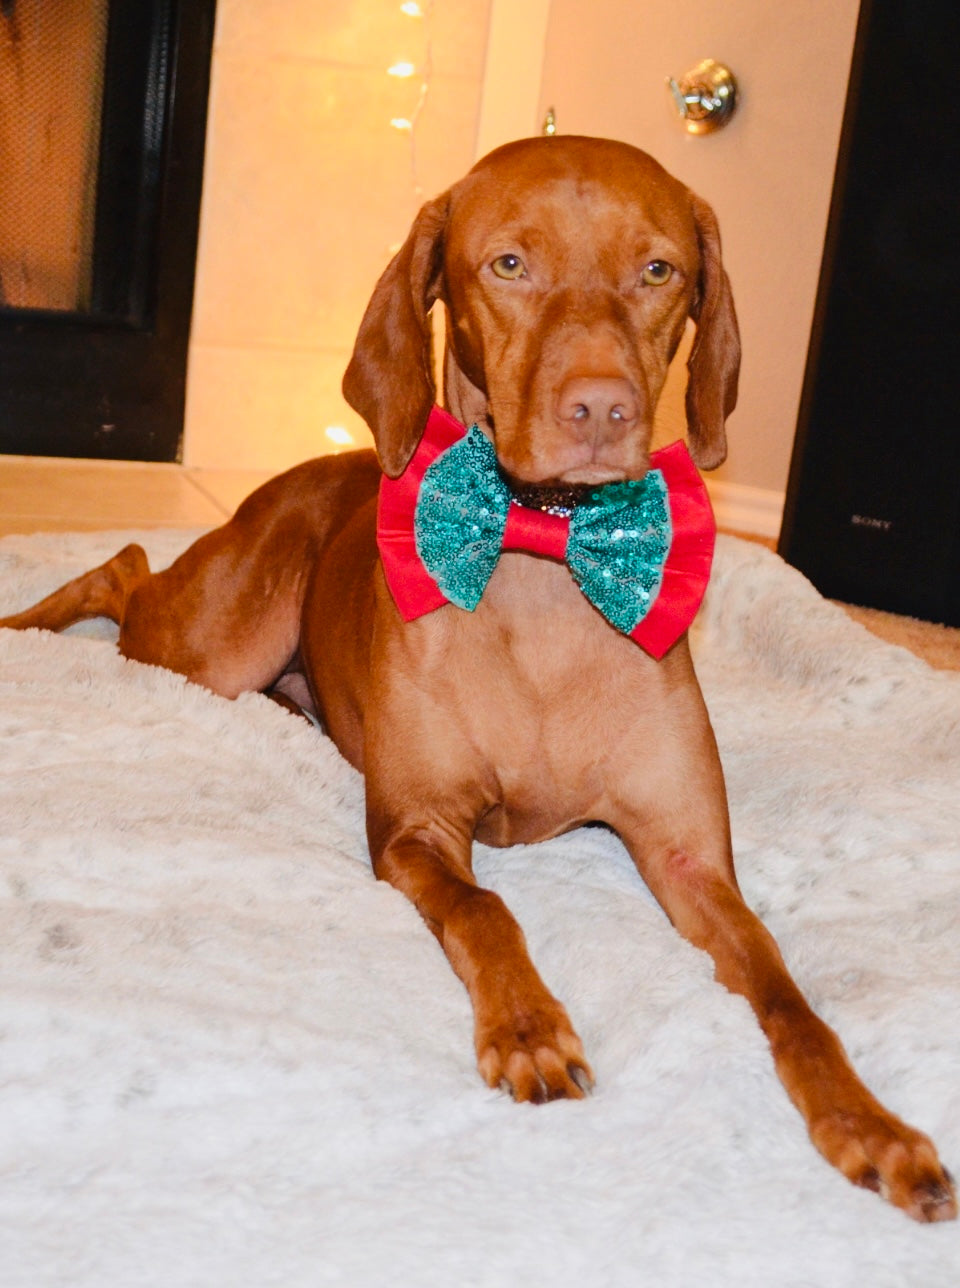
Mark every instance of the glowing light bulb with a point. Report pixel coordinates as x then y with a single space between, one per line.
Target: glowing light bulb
411 9
401 69
339 435
401 123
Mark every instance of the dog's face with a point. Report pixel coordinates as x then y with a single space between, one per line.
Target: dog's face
568 283
568 268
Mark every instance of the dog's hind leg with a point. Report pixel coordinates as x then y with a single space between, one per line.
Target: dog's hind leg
102 592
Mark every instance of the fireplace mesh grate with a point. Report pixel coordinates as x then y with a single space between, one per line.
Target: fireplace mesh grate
51 93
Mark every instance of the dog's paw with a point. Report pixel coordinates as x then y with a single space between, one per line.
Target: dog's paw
879 1152
534 1053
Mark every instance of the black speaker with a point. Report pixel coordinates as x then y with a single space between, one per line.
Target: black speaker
872 512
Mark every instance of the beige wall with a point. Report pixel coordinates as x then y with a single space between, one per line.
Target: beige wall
768 173
306 188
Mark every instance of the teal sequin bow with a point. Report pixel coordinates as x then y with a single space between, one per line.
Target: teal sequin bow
615 542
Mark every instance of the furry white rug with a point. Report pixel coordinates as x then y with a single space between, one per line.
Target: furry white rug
230 1057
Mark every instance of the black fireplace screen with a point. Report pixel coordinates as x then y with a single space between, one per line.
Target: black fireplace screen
102 125
51 102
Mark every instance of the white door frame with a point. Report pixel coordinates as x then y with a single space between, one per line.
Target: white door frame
510 95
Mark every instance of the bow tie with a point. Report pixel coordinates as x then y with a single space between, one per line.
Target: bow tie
640 551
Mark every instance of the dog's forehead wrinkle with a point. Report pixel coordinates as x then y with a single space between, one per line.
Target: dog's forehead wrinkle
616 236
537 160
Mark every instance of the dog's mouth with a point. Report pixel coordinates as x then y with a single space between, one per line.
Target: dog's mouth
573 484
557 496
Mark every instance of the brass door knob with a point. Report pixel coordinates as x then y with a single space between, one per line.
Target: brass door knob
706 97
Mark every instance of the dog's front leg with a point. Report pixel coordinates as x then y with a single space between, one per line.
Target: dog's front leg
867 1143
524 1040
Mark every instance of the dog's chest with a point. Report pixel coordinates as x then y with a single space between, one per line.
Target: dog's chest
551 698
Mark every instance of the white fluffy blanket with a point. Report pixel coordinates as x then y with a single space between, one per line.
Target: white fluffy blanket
231 1058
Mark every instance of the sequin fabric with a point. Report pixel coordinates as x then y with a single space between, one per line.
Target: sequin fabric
620 534
460 517
619 541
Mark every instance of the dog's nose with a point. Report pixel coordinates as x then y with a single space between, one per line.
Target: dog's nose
598 407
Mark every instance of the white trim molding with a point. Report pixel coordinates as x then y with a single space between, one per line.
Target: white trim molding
746 509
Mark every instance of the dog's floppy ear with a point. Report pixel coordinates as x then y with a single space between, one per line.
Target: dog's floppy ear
389 379
714 363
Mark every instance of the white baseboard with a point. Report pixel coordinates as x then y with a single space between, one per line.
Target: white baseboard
746 509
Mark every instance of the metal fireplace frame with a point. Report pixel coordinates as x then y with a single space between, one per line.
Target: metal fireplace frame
110 382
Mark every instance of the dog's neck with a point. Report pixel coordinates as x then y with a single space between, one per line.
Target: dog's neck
461 397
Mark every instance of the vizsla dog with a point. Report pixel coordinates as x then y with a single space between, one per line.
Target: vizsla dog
513 696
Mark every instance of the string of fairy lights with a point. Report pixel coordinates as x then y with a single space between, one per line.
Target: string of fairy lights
417 70
419 73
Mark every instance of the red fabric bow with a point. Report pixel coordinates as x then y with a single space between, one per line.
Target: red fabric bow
686 568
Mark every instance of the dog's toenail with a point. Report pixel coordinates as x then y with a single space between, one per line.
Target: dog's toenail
580 1076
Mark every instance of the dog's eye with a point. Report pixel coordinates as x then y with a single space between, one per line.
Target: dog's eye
657 273
509 266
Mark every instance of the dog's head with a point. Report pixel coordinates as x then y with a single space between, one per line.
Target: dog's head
568 268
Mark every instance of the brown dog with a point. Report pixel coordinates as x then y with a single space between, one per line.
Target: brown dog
568 268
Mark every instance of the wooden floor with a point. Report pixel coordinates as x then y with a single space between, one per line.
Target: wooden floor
42 494
39 494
